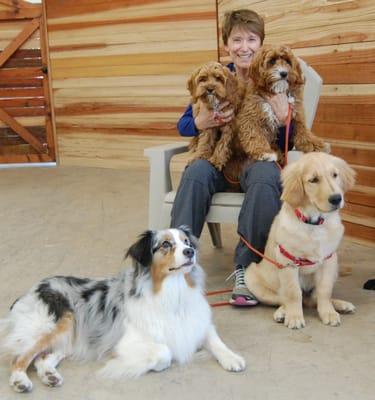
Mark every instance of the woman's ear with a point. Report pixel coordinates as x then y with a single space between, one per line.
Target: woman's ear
293 190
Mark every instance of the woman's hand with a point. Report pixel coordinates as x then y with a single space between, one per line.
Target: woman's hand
280 106
210 119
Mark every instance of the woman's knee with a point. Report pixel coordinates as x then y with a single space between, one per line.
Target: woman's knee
263 172
201 171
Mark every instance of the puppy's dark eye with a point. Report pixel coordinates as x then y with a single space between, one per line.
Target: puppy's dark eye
288 61
335 174
272 61
219 78
202 79
315 179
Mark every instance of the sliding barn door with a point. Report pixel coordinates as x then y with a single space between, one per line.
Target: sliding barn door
26 129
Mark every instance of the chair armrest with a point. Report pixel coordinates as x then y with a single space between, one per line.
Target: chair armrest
160 177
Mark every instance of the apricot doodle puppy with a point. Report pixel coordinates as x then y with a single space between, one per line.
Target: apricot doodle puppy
273 70
303 242
211 85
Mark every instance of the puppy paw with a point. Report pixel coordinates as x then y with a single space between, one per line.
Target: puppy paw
20 382
294 321
344 307
331 318
271 157
232 362
279 314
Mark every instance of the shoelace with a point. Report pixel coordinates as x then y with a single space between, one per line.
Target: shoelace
239 276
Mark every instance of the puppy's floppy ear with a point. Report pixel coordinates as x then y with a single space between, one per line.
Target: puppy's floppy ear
298 76
347 174
231 84
257 67
191 87
293 190
192 238
141 251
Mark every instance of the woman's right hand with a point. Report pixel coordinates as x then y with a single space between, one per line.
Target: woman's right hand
206 119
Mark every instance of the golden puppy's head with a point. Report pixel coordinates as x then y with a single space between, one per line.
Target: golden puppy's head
276 70
212 80
317 179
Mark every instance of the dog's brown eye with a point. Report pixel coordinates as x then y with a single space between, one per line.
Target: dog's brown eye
272 61
202 79
166 245
220 79
288 61
314 180
335 175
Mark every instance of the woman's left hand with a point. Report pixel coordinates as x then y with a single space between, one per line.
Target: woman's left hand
280 106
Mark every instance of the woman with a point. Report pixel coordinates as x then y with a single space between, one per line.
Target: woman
243 35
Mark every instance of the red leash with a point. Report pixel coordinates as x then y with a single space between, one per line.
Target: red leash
219 303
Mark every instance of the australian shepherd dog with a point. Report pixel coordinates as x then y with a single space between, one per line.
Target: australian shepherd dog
153 313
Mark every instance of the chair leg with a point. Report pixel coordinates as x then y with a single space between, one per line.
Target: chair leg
215 233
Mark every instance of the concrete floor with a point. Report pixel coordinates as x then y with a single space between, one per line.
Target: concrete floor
80 221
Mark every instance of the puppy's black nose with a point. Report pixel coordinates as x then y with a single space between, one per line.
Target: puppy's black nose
188 252
210 90
283 74
335 199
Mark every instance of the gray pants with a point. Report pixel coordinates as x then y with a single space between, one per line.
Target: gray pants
261 184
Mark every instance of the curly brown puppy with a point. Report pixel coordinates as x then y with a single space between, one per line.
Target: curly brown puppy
273 70
211 85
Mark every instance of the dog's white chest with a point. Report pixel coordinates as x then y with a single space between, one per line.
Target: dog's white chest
178 318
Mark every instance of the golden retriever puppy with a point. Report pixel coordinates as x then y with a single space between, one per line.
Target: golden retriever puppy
273 70
211 85
303 241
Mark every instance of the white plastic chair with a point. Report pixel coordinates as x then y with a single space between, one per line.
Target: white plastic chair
225 207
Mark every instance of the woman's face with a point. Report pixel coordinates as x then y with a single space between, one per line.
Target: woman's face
241 46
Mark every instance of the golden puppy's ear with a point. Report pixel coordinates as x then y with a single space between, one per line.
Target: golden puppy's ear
347 174
293 190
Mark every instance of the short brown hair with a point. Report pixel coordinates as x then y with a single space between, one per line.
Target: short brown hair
246 19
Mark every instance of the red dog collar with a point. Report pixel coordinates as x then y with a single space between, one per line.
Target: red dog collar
307 220
299 262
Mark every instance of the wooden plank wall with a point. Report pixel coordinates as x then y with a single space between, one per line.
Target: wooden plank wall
337 38
119 72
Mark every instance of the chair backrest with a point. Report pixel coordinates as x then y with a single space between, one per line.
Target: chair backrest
311 93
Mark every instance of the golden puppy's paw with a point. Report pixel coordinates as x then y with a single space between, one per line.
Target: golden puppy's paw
330 317
343 306
279 314
271 157
294 320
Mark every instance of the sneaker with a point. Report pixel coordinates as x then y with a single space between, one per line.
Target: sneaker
241 296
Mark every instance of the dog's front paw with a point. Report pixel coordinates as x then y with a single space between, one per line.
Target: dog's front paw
343 306
271 157
330 317
294 320
232 362
20 382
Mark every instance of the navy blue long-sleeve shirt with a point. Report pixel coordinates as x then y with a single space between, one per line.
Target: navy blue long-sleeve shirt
186 125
